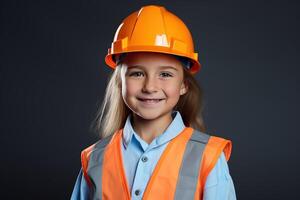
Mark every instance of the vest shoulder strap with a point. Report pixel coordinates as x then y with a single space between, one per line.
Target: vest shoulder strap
190 168
201 154
200 137
90 155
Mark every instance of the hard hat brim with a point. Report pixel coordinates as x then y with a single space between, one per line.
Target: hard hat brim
110 61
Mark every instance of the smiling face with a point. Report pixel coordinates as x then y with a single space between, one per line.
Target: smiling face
151 84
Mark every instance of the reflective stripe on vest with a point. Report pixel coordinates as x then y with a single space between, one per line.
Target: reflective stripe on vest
179 174
92 167
190 167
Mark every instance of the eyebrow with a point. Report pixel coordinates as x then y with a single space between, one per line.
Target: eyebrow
161 67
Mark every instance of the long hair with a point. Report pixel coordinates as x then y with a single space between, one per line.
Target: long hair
112 114
191 104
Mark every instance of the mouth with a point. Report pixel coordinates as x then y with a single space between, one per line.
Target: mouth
150 100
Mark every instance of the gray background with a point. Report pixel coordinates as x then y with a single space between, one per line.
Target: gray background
53 75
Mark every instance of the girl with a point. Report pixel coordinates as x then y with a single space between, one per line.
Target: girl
153 144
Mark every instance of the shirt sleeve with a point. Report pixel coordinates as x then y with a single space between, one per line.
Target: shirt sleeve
81 188
219 184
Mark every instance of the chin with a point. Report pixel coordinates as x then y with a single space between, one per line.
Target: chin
150 114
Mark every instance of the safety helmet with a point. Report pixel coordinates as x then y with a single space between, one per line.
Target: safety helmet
153 29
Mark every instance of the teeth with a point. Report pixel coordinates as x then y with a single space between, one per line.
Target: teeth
150 100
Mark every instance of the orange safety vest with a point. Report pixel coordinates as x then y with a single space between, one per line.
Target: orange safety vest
180 173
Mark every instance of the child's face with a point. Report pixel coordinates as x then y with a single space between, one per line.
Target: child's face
152 83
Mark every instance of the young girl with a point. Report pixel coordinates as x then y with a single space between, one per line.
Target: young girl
153 144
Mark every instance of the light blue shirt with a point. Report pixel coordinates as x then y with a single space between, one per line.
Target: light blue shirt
140 159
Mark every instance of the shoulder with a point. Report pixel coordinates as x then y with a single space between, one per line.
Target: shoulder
91 156
94 149
199 136
212 142
215 145
216 152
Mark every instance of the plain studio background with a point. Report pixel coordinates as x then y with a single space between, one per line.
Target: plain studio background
53 75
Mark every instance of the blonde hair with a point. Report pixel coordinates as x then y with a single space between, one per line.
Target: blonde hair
112 114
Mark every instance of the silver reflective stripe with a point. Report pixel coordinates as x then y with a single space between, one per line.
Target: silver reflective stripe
190 167
95 167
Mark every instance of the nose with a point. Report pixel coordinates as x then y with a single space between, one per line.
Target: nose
150 85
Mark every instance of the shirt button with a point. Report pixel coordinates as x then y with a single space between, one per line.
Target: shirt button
137 192
144 159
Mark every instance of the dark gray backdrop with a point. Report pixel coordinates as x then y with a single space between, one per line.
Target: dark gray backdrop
53 74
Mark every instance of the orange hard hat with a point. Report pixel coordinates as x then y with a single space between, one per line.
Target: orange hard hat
153 29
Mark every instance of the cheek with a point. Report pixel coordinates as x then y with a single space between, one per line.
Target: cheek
130 88
172 90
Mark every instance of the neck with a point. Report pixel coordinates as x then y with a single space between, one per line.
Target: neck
150 129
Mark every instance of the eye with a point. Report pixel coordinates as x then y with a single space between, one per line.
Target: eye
136 74
166 74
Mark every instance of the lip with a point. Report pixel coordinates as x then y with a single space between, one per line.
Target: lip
150 101
149 98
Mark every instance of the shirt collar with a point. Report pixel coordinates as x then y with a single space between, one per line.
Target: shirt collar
172 131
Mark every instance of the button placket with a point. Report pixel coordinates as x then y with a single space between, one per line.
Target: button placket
137 192
144 158
141 173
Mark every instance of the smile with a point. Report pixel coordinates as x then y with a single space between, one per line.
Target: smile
149 101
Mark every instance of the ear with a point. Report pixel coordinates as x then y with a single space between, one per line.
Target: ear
184 88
